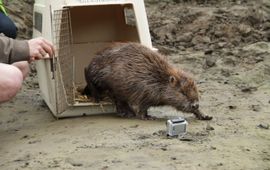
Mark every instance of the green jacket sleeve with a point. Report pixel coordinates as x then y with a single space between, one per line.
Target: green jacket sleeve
13 50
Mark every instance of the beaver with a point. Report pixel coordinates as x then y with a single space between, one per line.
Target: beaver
136 78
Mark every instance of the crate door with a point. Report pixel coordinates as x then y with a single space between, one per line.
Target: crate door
64 63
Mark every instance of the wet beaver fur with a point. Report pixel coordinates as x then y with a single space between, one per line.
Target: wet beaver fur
136 78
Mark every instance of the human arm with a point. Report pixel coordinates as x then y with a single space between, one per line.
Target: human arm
20 50
13 50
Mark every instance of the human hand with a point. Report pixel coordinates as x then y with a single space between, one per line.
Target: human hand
39 48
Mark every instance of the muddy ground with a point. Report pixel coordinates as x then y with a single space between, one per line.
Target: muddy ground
225 45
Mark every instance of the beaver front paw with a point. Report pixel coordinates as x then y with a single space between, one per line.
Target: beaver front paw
206 117
146 117
202 116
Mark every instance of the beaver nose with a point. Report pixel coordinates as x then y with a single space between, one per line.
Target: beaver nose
195 105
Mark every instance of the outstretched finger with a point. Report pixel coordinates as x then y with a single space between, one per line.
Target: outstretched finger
49 47
43 52
37 56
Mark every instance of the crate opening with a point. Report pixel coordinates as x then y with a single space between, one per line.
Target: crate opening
90 29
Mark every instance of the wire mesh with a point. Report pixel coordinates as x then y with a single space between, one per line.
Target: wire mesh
64 65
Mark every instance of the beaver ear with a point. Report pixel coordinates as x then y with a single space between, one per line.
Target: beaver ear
172 80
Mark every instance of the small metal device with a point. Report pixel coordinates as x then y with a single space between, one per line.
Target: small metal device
176 127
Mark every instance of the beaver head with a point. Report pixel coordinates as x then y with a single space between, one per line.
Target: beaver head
181 92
